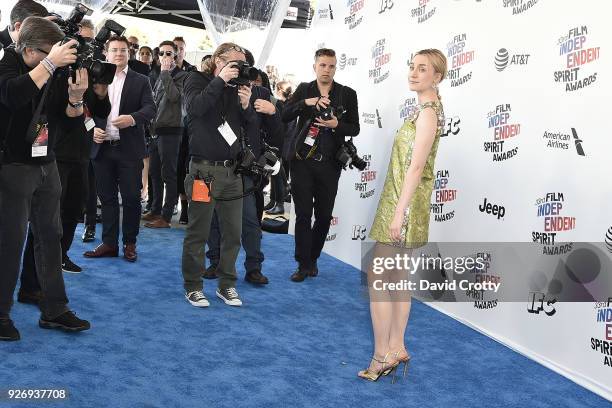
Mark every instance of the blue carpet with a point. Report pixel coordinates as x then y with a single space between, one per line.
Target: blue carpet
289 345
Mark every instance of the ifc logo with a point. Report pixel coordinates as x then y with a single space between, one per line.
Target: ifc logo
342 62
609 239
501 59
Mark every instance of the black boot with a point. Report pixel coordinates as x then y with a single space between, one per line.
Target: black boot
277 210
8 332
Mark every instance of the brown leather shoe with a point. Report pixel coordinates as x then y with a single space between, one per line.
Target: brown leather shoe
158 223
150 217
129 252
103 251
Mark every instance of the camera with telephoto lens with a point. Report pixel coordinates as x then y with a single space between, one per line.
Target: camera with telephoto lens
89 51
348 157
246 73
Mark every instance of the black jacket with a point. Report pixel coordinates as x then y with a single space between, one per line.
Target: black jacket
347 126
209 102
269 128
5 38
19 97
168 96
74 145
137 101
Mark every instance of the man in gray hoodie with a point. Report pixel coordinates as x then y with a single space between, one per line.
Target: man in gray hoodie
166 133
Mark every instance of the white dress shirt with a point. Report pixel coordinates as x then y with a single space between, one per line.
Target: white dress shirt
115 90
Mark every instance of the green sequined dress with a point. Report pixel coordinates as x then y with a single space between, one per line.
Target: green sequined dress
415 230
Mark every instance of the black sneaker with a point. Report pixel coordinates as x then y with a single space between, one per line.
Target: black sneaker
299 275
70 267
89 235
66 321
32 298
229 296
210 272
256 277
197 299
8 332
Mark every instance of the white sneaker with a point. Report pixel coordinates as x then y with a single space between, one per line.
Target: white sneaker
229 296
197 299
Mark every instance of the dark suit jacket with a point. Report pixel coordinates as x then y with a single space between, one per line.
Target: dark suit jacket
137 101
5 38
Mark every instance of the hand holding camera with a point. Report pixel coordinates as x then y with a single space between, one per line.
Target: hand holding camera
62 55
77 85
229 72
244 94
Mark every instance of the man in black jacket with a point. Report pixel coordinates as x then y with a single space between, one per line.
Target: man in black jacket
166 136
29 182
314 169
117 152
22 10
218 114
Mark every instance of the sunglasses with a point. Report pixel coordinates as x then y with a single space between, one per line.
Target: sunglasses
235 48
166 53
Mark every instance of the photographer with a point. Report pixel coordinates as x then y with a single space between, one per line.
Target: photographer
218 113
166 136
29 181
269 129
22 10
314 169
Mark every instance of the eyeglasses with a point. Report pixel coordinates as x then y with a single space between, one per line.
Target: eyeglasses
43 51
166 53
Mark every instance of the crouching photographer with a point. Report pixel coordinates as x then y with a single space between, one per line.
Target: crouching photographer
327 113
29 181
218 114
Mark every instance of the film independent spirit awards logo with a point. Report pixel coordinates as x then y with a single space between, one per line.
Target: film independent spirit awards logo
442 195
367 178
577 55
603 345
503 133
503 59
556 222
380 61
519 6
407 109
345 62
423 12
564 141
459 58
355 8
482 275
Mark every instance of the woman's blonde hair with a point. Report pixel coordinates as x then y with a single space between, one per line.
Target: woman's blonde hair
210 65
438 61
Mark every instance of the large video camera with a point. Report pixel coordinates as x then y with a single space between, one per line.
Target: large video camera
348 157
90 52
246 73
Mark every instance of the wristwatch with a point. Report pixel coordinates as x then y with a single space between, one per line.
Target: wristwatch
75 105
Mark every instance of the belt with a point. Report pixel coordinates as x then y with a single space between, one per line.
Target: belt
222 163
113 142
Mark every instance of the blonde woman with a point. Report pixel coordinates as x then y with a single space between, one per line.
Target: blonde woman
402 217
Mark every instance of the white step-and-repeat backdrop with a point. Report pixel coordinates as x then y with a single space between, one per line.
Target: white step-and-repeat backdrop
527 131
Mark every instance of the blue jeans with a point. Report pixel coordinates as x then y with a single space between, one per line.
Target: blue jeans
251 233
